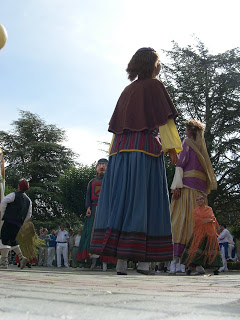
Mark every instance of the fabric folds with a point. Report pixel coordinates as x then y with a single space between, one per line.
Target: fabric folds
144 104
133 216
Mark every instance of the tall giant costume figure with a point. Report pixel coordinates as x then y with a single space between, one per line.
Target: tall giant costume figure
16 208
133 217
93 192
193 176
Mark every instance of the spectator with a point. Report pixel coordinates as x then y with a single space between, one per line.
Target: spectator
51 248
62 246
43 251
70 245
76 241
225 241
40 231
16 208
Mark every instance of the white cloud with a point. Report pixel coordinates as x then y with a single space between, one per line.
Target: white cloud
87 144
66 60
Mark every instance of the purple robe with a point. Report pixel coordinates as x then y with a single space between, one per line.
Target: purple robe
194 176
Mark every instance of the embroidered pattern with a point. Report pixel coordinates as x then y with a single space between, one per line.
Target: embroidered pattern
195 174
132 245
142 141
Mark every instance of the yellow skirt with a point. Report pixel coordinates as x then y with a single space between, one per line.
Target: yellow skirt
182 218
28 240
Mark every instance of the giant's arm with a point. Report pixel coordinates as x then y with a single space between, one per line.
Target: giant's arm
170 137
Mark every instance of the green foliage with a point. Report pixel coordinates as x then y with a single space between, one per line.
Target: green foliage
170 170
235 230
73 185
207 87
71 221
34 150
9 189
233 265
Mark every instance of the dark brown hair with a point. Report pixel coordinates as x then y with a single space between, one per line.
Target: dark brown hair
142 64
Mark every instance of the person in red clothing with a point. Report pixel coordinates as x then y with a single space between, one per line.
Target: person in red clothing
203 248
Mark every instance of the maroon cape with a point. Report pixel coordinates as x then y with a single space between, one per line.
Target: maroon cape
144 104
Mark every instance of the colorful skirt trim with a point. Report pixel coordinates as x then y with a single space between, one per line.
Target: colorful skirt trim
132 246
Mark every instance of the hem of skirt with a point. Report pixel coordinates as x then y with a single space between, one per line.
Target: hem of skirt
136 258
133 246
83 255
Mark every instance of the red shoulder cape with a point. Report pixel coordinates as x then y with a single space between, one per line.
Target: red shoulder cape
144 104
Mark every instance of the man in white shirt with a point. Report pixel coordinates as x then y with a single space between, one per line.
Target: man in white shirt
62 245
16 208
225 239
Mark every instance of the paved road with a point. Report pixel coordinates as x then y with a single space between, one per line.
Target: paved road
69 294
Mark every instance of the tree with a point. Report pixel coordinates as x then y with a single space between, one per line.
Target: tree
73 185
34 150
207 87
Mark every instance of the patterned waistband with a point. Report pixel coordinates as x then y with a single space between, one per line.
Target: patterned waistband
195 174
142 141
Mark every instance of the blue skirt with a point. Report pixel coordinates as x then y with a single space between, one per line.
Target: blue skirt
133 217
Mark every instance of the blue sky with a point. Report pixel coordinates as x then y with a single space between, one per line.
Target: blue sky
66 60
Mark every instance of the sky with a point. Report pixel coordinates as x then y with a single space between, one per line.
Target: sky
66 60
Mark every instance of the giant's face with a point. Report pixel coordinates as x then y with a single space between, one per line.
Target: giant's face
101 168
188 132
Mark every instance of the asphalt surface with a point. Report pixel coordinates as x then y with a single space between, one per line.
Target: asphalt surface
60 293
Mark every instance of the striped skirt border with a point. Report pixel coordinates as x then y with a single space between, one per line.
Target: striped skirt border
132 245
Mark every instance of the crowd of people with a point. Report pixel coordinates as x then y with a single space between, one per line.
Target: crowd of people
131 219
60 247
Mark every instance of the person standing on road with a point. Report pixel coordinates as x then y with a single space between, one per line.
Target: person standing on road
70 246
51 248
62 246
203 248
93 193
193 176
76 242
43 250
225 240
133 216
2 176
16 208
